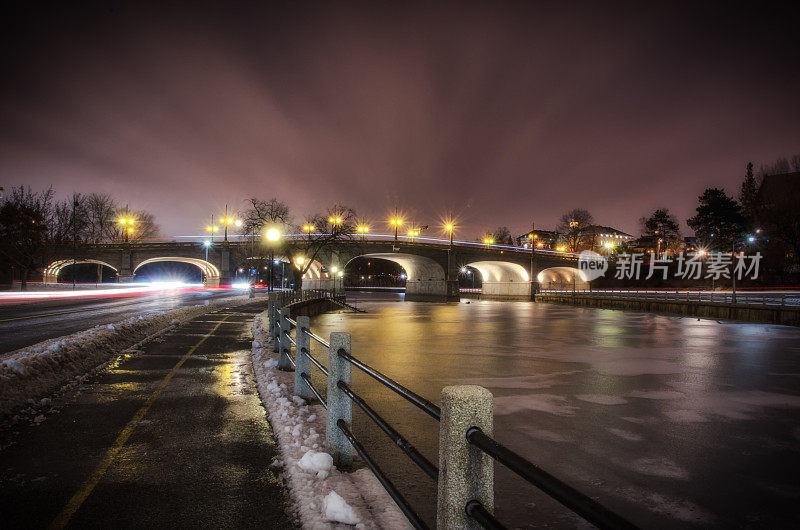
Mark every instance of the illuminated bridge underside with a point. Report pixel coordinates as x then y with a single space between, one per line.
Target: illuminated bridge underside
425 277
210 271
502 279
52 270
562 278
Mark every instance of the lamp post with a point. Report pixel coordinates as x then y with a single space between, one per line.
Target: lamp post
733 272
396 222
533 262
449 227
227 221
334 221
212 228
127 226
272 235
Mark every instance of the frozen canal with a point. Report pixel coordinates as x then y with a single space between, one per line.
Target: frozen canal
671 421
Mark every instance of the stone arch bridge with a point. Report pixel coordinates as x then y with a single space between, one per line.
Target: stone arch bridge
432 269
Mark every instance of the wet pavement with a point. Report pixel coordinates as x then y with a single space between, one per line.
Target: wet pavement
172 437
671 421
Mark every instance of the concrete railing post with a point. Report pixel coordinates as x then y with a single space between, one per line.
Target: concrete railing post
275 331
339 405
283 341
465 472
302 365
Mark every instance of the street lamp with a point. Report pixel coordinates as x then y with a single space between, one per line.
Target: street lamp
211 229
227 221
396 222
272 236
127 226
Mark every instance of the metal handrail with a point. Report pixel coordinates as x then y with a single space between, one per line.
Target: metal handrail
589 509
304 376
387 484
317 338
314 360
477 511
428 407
404 445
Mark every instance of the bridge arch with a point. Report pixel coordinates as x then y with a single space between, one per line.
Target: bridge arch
51 271
211 272
562 278
503 279
425 277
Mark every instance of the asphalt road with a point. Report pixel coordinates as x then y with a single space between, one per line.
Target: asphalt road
24 324
174 437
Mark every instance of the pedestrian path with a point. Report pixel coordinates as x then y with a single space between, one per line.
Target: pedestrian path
174 437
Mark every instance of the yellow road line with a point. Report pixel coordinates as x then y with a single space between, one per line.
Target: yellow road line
78 499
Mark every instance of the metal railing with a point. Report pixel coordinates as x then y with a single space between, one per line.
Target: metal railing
465 476
762 299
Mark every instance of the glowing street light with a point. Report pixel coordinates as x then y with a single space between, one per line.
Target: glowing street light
362 229
272 236
449 227
127 226
227 221
396 222
308 228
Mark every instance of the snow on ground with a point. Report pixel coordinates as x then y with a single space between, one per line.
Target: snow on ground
30 374
322 496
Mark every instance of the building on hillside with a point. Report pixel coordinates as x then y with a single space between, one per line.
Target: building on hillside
545 239
604 239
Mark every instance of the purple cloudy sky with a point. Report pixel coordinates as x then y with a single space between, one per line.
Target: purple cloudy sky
498 113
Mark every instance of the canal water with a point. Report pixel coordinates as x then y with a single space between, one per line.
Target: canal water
673 422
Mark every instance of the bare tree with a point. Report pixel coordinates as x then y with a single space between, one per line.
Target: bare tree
502 236
262 214
332 230
100 209
24 232
573 229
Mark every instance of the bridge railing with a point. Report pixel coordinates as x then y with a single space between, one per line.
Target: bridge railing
465 474
763 299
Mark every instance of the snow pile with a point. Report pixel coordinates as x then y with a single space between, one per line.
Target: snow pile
322 496
28 374
337 510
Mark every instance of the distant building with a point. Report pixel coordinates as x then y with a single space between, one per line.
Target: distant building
598 237
545 239
606 239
